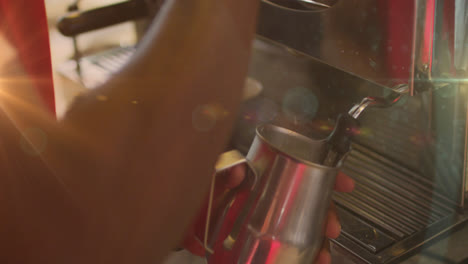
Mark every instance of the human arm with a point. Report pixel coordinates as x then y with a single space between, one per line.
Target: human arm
126 170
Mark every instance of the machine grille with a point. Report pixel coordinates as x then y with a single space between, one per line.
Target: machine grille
390 203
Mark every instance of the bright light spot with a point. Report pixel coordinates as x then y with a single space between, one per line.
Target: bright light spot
300 104
101 98
364 131
204 117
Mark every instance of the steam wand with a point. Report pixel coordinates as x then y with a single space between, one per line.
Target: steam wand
340 139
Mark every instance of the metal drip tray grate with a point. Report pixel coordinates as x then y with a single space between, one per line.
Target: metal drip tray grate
392 209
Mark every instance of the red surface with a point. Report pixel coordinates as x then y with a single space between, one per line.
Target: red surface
195 234
25 24
449 30
399 15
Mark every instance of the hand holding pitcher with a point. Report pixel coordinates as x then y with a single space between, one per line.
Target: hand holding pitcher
278 211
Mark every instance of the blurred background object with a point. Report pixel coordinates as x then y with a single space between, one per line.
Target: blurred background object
67 81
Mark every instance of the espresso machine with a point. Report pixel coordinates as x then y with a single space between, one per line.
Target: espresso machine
314 59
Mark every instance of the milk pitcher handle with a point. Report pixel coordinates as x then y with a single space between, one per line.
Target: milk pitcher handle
225 162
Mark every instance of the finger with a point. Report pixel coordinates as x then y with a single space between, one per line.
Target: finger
344 183
333 228
235 176
323 257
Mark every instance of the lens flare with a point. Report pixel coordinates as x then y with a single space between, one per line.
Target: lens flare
204 117
300 104
33 141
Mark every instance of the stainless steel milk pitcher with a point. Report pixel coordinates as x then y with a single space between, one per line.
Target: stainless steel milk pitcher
280 218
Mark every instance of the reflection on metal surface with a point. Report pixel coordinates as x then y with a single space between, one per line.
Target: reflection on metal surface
303 4
383 102
316 3
286 206
357 36
422 43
